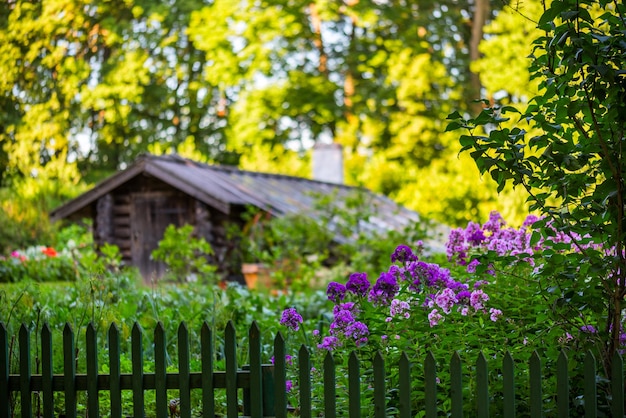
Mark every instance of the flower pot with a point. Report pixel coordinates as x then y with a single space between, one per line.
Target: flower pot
256 275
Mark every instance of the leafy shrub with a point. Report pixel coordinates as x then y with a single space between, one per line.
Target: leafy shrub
184 255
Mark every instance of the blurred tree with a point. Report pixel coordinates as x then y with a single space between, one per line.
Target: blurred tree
90 84
377 76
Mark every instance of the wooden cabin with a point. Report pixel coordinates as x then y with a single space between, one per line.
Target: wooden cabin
132 208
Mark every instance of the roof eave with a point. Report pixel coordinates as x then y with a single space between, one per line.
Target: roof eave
96 192
173 180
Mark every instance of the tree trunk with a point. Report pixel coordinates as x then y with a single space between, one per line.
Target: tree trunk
481 13
316 22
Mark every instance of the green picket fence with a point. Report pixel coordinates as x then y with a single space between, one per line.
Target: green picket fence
263 386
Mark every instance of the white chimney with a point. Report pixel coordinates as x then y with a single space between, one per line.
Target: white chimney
328 163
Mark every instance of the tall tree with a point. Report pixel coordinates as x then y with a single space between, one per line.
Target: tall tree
97 82
378 77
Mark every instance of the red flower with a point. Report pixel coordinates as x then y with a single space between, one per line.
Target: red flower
49 251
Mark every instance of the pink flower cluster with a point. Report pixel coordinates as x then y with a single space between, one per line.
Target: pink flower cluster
493 235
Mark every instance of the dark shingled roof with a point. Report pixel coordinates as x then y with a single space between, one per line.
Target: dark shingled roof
222 187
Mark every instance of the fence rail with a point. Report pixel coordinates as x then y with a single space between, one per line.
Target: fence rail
263 386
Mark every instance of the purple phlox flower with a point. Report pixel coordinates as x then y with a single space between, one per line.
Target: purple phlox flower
504 241
456 247
357 331
463 296
384 290
428 274
288 385
397 272
471 267
473 234
329 343
400 307
316 332
403 254
343 318
494 223
529 221
445 300
456 286
358 284
291 319
348 306
589 329
437 276
477 298
434 317
494 314
336 292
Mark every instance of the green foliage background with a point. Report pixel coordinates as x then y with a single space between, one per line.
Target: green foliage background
89 84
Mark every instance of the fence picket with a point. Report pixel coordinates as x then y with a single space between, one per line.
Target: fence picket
304 379
230 353
482 389
115 371
280 373
69 368
93 406
330 391
208 396
160 371
430 382
590 391
264 386
5 405
184 371
456 386
46 371
617 385
256 377
25 394
562 386
536 395
404 383
508 385
137 377
380 392
354 386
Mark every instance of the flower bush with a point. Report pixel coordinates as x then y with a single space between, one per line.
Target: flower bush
494 246
366 315
389 313
38 263
416 306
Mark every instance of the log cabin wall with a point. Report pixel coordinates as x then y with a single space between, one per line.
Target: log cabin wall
213 225
134 217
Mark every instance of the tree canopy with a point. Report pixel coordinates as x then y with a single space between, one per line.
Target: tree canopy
89 84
